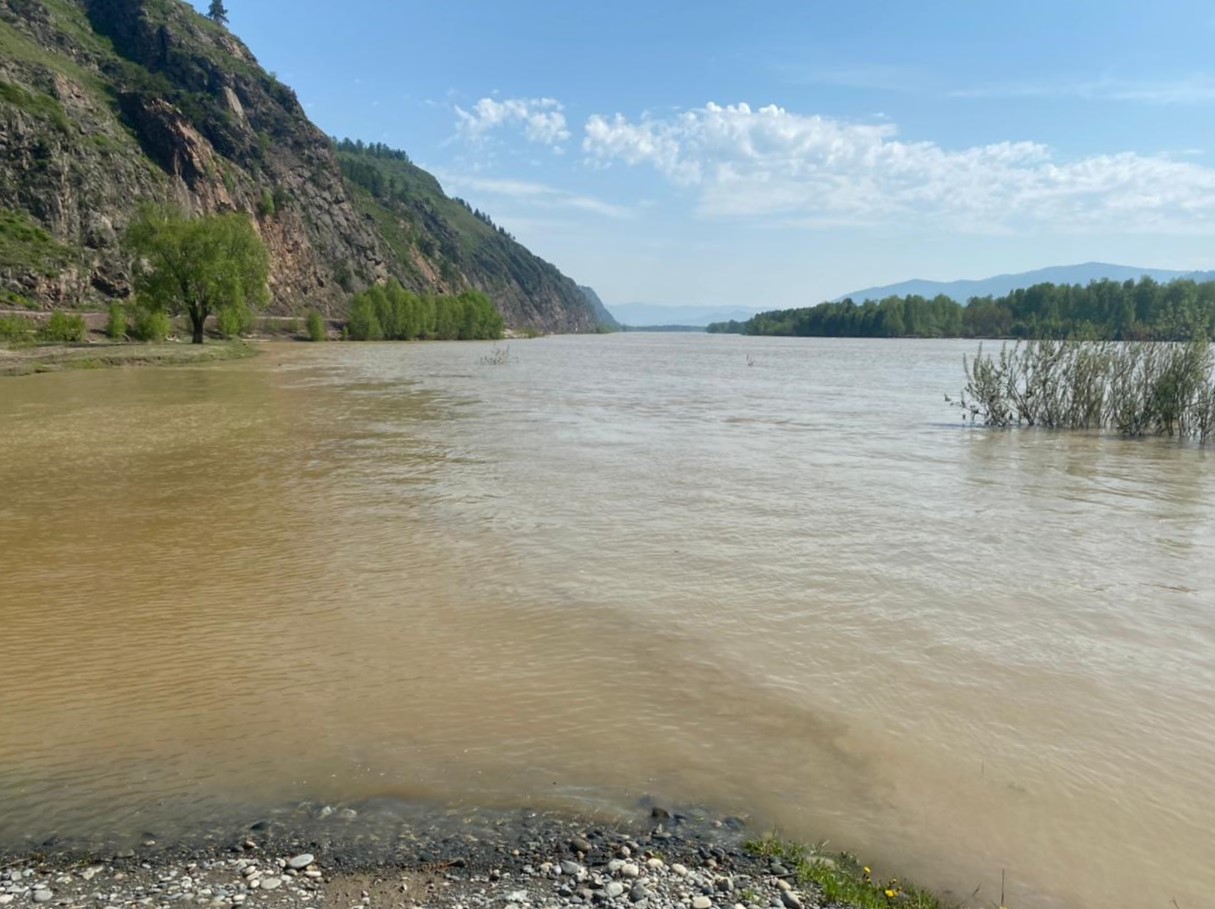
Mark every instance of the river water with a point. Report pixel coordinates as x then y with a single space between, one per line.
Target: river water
776 577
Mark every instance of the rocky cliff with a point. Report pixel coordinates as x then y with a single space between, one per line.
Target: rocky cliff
109 104
605 318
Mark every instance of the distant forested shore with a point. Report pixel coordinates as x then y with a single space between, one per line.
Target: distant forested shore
1143 310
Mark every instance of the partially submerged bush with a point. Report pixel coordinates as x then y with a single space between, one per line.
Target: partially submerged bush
316 326
1139 388
497 356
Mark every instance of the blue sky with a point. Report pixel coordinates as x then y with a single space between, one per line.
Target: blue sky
781 153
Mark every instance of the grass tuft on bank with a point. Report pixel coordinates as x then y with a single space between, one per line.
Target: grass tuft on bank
841 879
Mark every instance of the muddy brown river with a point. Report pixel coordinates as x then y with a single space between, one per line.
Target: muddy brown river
614 567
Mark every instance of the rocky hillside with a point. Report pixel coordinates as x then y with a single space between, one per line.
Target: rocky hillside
109 104
606 319
437 242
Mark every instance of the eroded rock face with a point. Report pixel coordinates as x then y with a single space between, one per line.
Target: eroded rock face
117 103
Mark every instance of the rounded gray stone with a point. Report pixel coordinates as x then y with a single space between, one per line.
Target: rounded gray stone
301 861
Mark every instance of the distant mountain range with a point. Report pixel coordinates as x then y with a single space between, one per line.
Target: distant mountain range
962 291
638 315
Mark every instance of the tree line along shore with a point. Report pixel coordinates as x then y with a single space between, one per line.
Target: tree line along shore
1143 310
213 271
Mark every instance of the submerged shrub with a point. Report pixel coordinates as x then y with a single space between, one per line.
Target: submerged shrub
316 326
497 356
1139 388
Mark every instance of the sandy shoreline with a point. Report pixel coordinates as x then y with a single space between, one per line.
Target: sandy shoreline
20 361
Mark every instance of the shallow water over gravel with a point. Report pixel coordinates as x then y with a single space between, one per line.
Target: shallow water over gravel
614 567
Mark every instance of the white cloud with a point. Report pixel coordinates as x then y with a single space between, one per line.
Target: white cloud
542 120
1198 88
771 162
538 194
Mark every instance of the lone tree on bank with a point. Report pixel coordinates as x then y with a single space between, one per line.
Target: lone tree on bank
198 266
218 12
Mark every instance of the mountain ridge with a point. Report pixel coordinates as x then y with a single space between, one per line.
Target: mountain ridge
963 290
640 315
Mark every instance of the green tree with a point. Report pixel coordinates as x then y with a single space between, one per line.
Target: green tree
218 12
198 266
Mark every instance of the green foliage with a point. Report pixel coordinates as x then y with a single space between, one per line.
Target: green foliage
37 103
1138 388
116 323
363 324
11 300
841 879
419 222
199 266
316 326
25 244
17 331
64 328
235 320
217 12
20 48
150 323
344 277
391 313
265 205
1104 310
